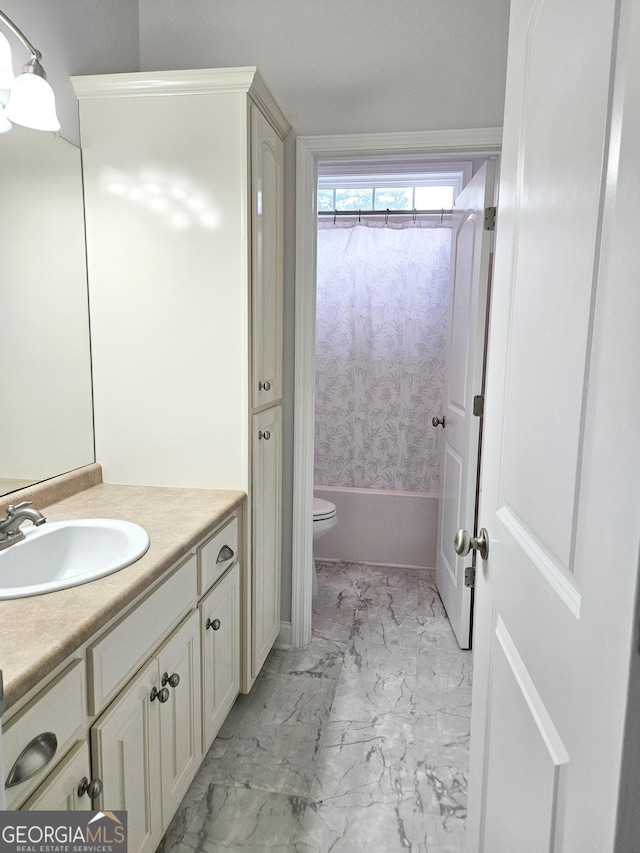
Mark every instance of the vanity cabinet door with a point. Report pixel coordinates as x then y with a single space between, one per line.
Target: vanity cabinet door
266 261
61 791
266 506
125 744
220 626
146 746
181 714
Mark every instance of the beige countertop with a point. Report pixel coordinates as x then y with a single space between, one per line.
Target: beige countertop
38 633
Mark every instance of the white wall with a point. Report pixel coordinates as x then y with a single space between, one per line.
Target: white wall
75 37
347 66
341 66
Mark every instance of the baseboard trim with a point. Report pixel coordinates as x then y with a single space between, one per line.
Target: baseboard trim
430 569
283 640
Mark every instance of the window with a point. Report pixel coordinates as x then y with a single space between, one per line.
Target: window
394 184
381 198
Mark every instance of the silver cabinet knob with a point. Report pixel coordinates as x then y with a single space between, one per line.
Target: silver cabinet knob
435 421
266 434
160 695
264 386
215 624
225 554
171 680
91 788
464 542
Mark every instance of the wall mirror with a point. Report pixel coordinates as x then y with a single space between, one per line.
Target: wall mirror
46 414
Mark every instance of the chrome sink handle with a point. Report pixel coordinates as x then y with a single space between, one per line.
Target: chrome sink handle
16 514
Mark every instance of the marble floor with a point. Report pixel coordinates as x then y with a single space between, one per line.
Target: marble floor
359 742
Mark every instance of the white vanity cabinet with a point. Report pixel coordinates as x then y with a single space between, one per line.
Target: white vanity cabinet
124 721
183 178
147 746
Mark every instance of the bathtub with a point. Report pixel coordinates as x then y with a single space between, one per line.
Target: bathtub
381 527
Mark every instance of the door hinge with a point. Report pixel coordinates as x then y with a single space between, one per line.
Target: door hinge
470 576
478 405
490 218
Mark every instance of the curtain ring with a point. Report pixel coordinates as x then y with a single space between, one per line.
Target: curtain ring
415 215
386 217
359 219
441 215
335 215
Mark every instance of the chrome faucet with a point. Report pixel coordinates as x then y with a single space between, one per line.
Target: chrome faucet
10 532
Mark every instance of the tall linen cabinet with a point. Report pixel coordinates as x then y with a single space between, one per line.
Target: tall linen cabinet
183 194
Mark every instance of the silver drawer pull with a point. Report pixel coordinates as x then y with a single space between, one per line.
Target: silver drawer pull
36 755
225 554
92 788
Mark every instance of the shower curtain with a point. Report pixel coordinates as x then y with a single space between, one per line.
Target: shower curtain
382 302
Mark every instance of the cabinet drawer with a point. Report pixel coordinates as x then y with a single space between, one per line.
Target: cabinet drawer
217 555
120 652
59 709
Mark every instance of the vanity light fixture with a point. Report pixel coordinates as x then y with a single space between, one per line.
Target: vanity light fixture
29 99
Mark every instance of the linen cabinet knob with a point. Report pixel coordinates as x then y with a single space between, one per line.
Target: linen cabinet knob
264 386
215 624
160 695
266 434
171 680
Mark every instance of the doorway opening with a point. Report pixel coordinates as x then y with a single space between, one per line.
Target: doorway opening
332 154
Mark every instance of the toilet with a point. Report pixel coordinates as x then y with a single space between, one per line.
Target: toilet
324 520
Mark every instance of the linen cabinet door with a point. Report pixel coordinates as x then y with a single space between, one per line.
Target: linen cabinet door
266 261
266 507
220 621
181 714
125 744
63 790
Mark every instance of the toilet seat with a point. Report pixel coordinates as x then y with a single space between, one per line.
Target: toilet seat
323 509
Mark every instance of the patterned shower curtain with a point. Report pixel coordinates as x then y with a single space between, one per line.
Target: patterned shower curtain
382 303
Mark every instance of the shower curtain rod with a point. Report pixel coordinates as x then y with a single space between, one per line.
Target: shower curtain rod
386 212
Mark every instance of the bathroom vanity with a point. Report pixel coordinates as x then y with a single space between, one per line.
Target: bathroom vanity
122 684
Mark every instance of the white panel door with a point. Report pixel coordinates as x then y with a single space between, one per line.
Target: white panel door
554 622
125 749
220 620
266 500
266 260
460 439
181 715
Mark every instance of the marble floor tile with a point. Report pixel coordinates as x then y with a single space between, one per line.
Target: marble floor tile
321 659
359 742
236 818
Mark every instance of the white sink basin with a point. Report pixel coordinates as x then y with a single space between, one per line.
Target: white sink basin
60 554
